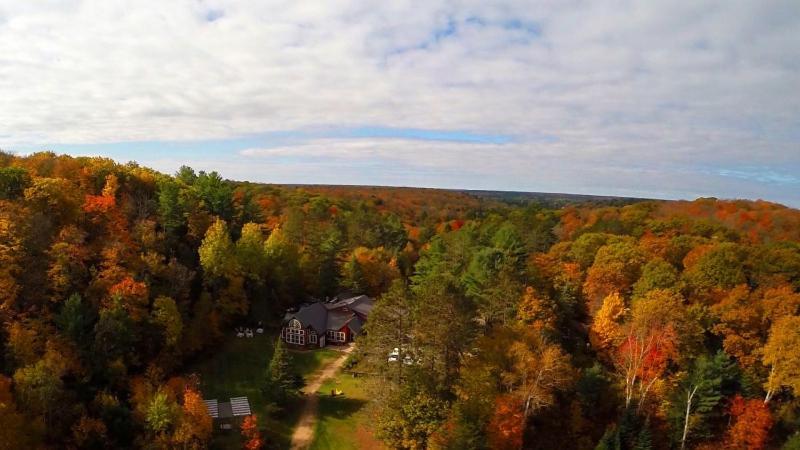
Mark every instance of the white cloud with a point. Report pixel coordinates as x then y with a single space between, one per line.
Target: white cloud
661 86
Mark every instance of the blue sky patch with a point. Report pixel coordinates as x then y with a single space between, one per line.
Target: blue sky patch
212 15
220 147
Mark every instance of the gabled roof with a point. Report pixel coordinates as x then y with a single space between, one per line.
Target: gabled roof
338 319
333 315
314 315
363 307
355 325
237 406
357 303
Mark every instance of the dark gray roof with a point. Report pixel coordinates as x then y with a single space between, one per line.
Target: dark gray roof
333 316
360 303
225 410
338 319
355 325
363 307
314 315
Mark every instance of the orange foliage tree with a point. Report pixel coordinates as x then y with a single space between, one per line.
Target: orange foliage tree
10 250
740 325
507 425
196 424
370 270
14 432
133 296
616 268
750 426
536 311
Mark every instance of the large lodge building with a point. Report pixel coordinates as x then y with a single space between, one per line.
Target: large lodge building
318 324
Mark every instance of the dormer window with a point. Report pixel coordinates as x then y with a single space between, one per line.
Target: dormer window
294 323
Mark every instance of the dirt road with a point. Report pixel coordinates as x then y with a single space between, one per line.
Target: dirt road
304 433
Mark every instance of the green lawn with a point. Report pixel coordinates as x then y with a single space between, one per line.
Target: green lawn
236 368
343 420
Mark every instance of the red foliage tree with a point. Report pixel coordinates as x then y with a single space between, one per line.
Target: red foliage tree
642 359
251 433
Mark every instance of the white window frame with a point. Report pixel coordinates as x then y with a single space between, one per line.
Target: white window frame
296 336
337 336
312 338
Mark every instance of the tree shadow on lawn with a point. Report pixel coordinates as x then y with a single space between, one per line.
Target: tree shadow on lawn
339 407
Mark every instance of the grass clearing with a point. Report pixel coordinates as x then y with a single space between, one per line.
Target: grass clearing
236 368
344 420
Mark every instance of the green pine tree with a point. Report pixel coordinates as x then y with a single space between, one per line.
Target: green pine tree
610 440
645 439
280 382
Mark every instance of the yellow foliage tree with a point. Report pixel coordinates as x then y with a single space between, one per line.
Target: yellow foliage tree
782 356
10 249
539 369
536 311
606 331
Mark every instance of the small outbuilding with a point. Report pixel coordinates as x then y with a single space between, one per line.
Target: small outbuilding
227 413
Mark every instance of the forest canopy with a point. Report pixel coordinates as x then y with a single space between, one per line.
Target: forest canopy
625 325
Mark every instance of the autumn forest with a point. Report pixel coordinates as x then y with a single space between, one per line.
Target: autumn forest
516 323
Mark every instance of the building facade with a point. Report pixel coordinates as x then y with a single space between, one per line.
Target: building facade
335 322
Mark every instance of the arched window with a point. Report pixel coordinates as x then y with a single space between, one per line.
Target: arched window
295 334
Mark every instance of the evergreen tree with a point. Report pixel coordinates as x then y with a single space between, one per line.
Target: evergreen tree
170 208
215 193
75 321
354 275
610 440
645 439
328 277
699 395
281 383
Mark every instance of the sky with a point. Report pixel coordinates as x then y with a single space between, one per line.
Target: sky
662 99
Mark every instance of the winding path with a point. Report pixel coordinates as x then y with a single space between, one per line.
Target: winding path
304 432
